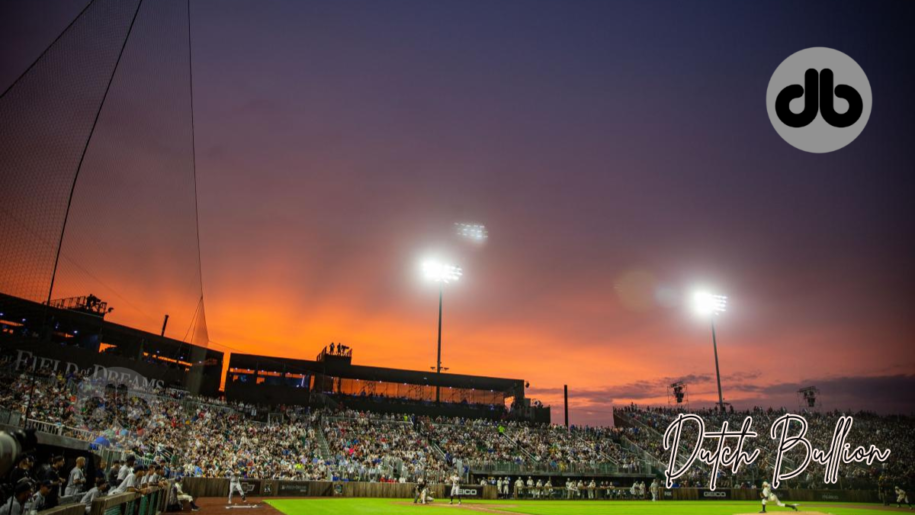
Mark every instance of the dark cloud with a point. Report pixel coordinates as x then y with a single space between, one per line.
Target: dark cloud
883 394
870 393
636 390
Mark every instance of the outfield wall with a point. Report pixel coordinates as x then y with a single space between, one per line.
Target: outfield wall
219 487
750 494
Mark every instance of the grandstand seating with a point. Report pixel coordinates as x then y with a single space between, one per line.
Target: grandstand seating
209 437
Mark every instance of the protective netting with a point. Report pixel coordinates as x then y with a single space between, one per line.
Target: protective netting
131 234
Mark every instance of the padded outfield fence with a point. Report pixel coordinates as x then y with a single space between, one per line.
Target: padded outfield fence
219 487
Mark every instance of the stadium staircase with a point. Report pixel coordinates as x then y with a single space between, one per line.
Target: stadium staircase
624 420
326 401
323 447
527 453
436 449
653 463
418 426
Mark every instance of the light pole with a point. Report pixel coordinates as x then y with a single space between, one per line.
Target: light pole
442 274
710 305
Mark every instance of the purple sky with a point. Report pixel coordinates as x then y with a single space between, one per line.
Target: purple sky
619 153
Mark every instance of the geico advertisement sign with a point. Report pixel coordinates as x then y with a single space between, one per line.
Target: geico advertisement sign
714 494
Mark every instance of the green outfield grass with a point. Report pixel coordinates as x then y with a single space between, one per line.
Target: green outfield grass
353 506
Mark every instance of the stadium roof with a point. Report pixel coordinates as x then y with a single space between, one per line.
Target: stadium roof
341 367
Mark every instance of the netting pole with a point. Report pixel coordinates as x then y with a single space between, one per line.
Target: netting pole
565 395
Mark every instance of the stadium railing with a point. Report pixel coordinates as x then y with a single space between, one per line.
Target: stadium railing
130 503
561 492
10 418
66 509
58 429
533 468
649 461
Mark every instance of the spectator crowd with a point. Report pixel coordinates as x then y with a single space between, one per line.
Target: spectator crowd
170 435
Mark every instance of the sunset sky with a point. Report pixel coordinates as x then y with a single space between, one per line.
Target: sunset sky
619 154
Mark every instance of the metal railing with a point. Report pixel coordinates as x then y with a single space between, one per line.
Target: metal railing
538 468
9 417
58 429
132 503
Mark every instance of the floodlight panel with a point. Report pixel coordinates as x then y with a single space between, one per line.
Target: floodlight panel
706 303
472 231
441 272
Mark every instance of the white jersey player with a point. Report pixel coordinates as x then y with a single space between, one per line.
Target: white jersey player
769 496
235 486
425 496
654 490
901 497
455 488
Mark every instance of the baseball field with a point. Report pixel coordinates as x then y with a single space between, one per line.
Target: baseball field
358 506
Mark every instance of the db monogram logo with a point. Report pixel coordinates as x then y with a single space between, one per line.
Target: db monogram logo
819 115
818 98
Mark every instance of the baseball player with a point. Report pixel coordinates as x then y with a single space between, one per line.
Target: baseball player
177 496
654 490
426 496
94 493
902 497
418 489
126 469
455 488
235 486
769 496
76 484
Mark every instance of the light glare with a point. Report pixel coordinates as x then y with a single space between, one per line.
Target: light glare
706 303
441 272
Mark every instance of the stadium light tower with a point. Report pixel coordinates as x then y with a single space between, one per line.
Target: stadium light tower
474 232
710 305
442 274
